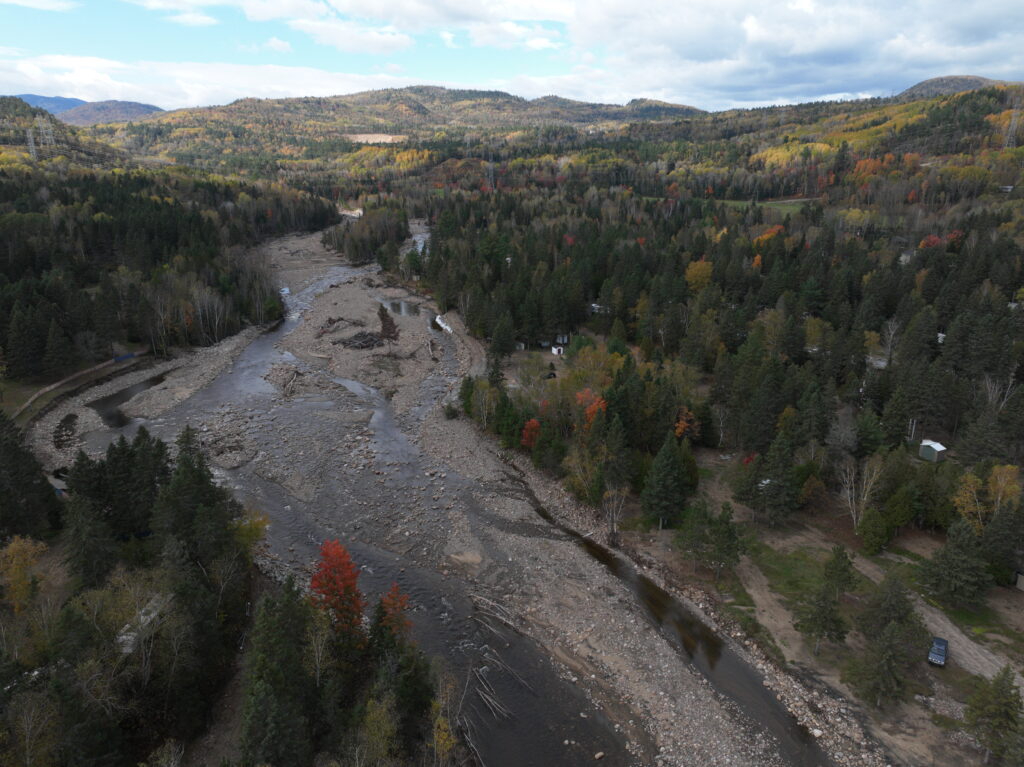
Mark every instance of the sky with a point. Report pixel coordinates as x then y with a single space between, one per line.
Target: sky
712 54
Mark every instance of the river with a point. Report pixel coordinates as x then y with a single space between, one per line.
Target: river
518 708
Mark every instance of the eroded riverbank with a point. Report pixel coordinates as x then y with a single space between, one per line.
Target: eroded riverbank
336 442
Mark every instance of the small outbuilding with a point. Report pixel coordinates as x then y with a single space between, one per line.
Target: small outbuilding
932 451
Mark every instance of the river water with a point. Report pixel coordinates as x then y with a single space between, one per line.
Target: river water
538 721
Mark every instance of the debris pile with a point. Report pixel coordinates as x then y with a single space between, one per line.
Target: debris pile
364 339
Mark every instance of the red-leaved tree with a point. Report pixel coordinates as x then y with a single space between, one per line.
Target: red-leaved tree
394 606
531 430
335 590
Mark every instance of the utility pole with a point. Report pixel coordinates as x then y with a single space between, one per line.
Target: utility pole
31 144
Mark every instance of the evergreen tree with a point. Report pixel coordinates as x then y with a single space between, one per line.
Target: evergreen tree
664 493
958 574
275 721
873 530
1002 537
881 674
91 551
724 544
820 619
994 713
59 354
839 572
28 504
777 488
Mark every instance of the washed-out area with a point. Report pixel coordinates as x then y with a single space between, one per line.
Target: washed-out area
333 441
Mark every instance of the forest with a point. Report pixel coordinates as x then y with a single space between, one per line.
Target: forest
812 290
100 259
126 606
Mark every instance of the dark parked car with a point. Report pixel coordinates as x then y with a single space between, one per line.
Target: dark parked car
938 652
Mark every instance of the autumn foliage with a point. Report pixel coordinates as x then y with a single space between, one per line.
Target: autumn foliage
335 590
592 404
531 431
687 424
394 606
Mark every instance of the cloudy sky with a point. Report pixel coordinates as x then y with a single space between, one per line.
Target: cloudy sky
713 54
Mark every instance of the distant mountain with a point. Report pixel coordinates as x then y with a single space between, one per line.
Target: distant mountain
94 112
55 105
946 86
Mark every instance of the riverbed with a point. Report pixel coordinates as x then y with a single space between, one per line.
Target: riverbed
564 652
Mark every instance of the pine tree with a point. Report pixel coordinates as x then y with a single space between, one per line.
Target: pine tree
275 720
873 531
958 574
724 543
91 550
881 674
820 619
994 712
59 355
839 572
28 504
664 493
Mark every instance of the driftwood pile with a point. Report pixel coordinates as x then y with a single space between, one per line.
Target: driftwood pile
364 339
330 322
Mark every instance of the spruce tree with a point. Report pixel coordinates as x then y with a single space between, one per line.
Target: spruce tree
994 713
839 572
664 492
59 354
958 573
820 619
91 550
28 504
275 720
880 675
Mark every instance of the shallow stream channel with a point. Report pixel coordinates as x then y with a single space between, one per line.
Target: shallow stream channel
333 461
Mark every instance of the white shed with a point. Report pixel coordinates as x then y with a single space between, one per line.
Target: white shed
932 451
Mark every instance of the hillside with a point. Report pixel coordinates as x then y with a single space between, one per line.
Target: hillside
26 129
55 105
309 127
946 86
95 112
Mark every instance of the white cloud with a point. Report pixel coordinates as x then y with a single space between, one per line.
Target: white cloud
173 85
277 45
274 44
351 37
193 19
713 55
509 34
42 5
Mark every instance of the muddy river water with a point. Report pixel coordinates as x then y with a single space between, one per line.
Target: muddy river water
516 705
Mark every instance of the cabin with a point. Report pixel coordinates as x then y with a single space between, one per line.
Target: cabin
932 451
562 339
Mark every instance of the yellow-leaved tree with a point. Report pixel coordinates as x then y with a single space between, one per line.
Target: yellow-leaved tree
17 560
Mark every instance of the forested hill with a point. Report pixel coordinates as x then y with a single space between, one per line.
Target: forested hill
93 258
812 286
107 112
252 135
27 131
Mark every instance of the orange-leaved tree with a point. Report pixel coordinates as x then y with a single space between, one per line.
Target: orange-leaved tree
335 590
531 430
394 606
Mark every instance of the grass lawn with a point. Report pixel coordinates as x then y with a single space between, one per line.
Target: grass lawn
784 207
